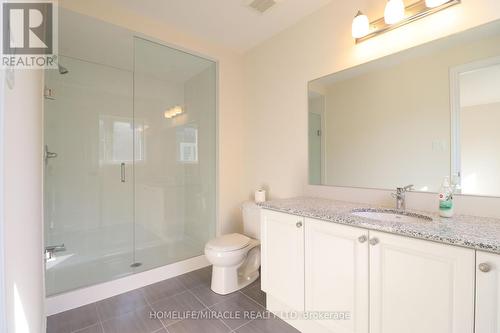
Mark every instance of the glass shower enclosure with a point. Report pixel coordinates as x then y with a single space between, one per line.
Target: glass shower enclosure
130 162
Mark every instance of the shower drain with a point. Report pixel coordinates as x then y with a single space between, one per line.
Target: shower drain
136 264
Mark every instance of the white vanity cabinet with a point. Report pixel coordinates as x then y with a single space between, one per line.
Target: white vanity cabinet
487 292
387 283
420 286
336 274
282 257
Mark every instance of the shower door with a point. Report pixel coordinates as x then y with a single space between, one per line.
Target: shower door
130 167
175 164
89 136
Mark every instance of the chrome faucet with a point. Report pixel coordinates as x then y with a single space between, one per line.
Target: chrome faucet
51 250
400 196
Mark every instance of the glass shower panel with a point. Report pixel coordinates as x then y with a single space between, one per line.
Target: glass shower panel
89 180
175 160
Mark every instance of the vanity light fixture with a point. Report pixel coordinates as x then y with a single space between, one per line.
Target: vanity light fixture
434 3
396 15
394 11
173 112
360 25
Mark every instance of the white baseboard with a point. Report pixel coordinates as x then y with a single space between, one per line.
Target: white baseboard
76 298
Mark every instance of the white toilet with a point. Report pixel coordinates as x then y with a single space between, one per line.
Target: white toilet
236 257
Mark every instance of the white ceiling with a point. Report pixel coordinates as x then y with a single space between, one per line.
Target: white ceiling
230 23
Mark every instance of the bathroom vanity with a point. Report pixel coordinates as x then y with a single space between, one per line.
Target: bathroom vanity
415 117
425 116
342 272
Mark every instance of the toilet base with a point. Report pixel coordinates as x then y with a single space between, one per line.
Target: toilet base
226 280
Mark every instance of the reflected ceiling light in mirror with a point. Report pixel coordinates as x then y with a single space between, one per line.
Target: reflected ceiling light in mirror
434 3
360 25
397 15
173 112
394 11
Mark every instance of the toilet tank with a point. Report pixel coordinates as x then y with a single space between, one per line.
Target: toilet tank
251 219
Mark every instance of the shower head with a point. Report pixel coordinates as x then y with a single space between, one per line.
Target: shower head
62 70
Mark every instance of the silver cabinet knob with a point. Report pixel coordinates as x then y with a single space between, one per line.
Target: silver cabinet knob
373 241
299 224
484 267
362 239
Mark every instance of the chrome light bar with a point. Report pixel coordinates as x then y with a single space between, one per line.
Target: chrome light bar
413 12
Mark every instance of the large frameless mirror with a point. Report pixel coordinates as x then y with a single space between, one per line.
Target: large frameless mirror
412 118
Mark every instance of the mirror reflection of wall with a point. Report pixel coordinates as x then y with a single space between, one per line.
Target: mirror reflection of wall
477 127
388 123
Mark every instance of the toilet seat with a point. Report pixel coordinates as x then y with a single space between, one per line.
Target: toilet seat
228 243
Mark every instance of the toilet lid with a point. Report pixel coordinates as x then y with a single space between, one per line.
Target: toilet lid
231 242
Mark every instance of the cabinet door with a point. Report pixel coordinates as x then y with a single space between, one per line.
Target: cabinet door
283 257
487 293
419 286
336 275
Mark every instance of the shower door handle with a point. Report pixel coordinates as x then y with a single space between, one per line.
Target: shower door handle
122 172
48 154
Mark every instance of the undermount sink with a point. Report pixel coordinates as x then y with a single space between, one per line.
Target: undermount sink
391 215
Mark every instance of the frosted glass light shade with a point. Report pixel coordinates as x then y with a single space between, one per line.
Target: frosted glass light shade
394 11
360 25
172 112
434 3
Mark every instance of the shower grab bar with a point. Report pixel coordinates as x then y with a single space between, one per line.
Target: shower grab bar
122 172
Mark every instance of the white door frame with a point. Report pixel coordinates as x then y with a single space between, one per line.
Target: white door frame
322 114
455 72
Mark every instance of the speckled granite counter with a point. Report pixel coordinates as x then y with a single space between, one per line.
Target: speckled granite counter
478 233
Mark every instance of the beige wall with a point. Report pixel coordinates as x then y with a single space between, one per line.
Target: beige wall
278 70
231 99
24 287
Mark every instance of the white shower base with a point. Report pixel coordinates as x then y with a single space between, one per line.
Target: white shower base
106 254
76 298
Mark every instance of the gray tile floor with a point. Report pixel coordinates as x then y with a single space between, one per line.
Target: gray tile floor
188 294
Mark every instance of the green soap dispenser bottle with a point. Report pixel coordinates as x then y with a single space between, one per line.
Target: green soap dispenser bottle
446 199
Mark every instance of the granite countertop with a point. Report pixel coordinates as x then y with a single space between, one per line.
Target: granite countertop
480 233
